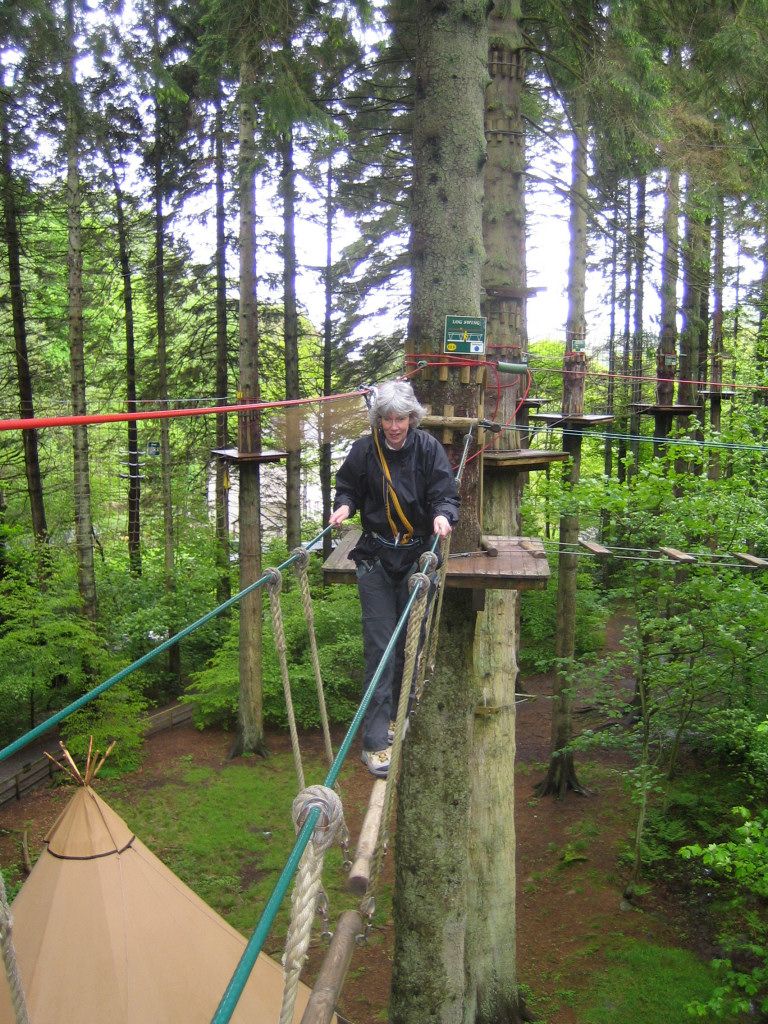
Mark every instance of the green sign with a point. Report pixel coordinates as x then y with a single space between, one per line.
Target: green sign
464 335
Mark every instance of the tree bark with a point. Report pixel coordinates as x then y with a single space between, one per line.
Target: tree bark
491 995
250 735
82 483
561 773
430 909
166 467
325 417
637 331
291 343
133 465
223 578
29 438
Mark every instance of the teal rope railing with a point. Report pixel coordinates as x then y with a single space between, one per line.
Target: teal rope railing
81 702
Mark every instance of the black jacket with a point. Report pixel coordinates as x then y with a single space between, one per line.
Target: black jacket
425 485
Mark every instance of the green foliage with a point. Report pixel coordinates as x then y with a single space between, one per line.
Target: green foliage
116 716
49 654
743 862
214 690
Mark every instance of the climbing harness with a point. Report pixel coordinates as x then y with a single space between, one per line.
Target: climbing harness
390 498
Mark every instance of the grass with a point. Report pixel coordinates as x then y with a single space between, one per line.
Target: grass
646 984
227 834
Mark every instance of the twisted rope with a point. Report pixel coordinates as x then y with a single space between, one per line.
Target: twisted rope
274 586
433 628
307 888
415 620
301 563
9 958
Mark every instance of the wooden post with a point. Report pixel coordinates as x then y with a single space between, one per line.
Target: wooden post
575 366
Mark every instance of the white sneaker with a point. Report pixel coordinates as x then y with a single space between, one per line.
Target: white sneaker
377 762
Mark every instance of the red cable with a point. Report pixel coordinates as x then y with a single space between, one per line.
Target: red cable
161 414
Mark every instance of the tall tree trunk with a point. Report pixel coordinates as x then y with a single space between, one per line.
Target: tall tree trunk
491 971
82 483
291 341
561 773
223 579
666 356
250 733
133 465
716 375
637 332
325 417
430 903
29 438
166 466
622 426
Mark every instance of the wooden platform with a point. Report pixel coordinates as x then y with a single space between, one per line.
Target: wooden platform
233 455
586 420
674 410
525 459
521 564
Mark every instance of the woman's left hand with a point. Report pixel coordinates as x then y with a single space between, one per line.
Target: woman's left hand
441 526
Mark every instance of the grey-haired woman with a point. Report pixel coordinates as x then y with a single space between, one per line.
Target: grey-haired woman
398 477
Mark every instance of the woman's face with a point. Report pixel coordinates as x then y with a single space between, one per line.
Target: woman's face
395 429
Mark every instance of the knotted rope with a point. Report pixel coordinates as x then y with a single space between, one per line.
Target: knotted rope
274 586
9 958
307 887
416 619
300 565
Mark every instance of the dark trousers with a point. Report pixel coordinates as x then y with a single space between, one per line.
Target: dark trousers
382 600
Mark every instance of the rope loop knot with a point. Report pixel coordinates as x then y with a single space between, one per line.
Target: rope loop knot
428 562
275 580
301 556
418 581
331 814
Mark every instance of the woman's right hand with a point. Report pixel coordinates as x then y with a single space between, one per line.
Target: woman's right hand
338 515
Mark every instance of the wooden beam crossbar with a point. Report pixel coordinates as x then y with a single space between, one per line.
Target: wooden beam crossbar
678 556
594 548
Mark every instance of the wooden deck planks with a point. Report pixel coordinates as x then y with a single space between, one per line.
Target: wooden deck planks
521 564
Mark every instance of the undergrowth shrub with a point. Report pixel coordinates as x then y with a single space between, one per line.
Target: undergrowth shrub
213 692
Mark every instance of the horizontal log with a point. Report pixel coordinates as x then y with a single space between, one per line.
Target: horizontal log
753 560
360 874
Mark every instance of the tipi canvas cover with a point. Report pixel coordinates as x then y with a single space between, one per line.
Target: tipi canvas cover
105 933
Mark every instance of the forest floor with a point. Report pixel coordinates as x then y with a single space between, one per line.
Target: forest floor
571 913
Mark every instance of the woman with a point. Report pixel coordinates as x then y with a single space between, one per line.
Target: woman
398 477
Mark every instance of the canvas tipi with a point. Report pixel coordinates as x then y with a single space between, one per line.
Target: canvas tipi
105 933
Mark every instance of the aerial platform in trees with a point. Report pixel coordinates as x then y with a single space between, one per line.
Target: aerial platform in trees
717 392
524 459
584 420
671 410
520 564
234 455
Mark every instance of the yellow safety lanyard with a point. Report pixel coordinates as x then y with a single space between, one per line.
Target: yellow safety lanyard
404 535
